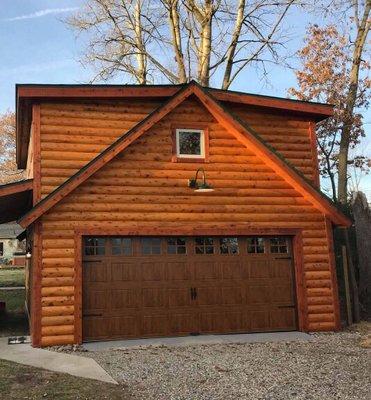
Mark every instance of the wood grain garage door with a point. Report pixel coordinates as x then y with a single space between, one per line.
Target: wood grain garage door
157 286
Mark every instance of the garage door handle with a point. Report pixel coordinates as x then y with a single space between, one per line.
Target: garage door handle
193 293
286 306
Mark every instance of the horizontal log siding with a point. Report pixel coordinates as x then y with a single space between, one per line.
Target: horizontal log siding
142 187
73 134
288 134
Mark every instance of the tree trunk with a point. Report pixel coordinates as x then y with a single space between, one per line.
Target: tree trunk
363 29
174 21
205 47
141 52
232 47
362 220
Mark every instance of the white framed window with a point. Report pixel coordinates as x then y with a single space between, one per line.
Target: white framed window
190 143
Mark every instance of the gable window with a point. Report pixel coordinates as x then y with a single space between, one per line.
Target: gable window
190 143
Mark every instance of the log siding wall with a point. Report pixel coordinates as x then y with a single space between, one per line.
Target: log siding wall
143 187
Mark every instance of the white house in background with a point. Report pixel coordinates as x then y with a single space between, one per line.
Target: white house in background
9 244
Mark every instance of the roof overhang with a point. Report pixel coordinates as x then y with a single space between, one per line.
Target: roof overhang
29 94
15 200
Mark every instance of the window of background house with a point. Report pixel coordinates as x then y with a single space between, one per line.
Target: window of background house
1 249
278 245
190 143
255 245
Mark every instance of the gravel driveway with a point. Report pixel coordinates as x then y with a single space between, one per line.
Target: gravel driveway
331 366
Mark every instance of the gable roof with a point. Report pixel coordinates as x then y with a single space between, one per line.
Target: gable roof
232 123
29 94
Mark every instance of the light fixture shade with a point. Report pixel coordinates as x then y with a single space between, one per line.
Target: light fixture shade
204 190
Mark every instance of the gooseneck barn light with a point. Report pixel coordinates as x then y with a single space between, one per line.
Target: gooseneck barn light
200 187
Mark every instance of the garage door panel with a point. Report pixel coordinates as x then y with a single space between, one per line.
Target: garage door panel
282 318
260 269
206 270
210 322
96 328
259 320
282 294
154 325
235 270
183 323
124 299
207 296
233 295
258 294
96 272
154 297
179 297
95 299
124 272
236 321
152 271
124 326
178 271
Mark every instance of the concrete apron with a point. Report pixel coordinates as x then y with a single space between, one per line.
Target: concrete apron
198 340
58 362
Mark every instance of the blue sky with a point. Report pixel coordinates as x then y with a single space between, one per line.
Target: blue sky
36 47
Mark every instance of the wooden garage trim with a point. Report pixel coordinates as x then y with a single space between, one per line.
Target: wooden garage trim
191 230
232 123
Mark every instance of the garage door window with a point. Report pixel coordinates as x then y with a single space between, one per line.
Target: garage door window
122 246
151 246
255 245
229 245
176 246
278 245
204 245
95 246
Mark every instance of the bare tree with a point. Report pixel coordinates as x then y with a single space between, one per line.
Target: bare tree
178 40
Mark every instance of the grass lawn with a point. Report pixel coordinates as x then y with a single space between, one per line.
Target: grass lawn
23 382
11 277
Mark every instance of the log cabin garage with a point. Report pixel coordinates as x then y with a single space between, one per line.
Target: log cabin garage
171 210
